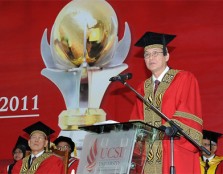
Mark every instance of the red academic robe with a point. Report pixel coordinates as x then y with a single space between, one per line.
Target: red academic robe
73 164
220 168
181 103
51 165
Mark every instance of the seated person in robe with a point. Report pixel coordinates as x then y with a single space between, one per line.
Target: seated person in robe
19 152
65 143
210 163
39 161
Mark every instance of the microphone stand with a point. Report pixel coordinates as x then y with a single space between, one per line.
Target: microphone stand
170 131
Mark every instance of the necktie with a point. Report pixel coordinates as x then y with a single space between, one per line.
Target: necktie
206 167
33 158
157 82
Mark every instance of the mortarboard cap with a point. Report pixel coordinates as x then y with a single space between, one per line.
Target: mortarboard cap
212 136
39 126
22 141
150 39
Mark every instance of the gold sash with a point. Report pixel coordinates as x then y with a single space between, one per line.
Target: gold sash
154 151
36 163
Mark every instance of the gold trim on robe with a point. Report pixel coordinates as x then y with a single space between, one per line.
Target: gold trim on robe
154 159
36 163
213 164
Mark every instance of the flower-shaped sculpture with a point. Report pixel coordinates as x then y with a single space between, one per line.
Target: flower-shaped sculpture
84 52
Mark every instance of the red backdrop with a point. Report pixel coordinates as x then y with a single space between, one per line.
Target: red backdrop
197 48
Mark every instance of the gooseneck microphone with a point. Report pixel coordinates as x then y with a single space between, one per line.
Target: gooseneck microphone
121 77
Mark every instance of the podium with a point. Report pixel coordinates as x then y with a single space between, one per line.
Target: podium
117 148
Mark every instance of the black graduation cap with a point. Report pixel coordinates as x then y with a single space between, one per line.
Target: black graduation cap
152 38
22 141
39 126
212 136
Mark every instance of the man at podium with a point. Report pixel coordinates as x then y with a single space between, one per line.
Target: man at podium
176 94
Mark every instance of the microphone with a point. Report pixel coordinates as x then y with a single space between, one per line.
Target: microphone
121 77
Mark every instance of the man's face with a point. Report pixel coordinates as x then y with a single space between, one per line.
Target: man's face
63 146
37 142
206 144
155 61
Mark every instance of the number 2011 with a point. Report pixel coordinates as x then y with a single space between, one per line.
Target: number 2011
14 103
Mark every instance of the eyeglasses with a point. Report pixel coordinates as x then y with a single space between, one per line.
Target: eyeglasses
154 54
208 145
39 138
63 148
17 152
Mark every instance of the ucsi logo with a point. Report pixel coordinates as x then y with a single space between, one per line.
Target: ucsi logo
112 152
91 158
103 154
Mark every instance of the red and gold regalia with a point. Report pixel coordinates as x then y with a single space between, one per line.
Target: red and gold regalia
178 98
220 167
214 165
72 165
46 163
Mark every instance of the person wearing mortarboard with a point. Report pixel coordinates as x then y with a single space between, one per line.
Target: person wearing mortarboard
65 143
19 152
39 161
210 163
176 94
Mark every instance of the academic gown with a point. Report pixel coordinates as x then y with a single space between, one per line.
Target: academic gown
10 167
46 163
178 98
215 165
73 164
220 167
